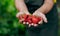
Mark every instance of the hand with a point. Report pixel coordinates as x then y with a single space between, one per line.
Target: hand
20 14
40 14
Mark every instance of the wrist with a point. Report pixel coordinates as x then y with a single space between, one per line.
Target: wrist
39 13
23 10
26 12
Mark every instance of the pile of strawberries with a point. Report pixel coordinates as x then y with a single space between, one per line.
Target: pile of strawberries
29 19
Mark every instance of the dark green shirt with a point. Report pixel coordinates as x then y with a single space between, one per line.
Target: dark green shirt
34 2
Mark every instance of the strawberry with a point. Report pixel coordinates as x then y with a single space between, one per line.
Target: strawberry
24 16
39 18
29 19
35 20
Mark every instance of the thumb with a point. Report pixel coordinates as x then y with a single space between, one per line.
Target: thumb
17 15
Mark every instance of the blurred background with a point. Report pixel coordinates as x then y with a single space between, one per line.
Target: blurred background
9 25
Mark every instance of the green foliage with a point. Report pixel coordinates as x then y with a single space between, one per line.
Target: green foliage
9 25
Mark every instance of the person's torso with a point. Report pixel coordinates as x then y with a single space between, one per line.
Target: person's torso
36 2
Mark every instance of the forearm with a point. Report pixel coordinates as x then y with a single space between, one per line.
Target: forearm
46 7
20 5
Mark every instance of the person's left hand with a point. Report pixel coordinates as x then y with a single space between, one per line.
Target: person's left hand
40 14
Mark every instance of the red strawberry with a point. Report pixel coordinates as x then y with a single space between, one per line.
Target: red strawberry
39 18
20 17
29 21
24 16
27 18
35 20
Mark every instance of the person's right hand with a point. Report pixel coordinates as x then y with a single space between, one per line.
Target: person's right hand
20 14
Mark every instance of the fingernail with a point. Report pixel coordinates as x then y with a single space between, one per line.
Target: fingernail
35 24
40 22
27 22
32 24
29 25
24 22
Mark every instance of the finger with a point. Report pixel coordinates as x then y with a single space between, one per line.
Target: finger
27 22
44 18
17 15
24 22
32 24
29 25
35 25
21 20
40 22
20 17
